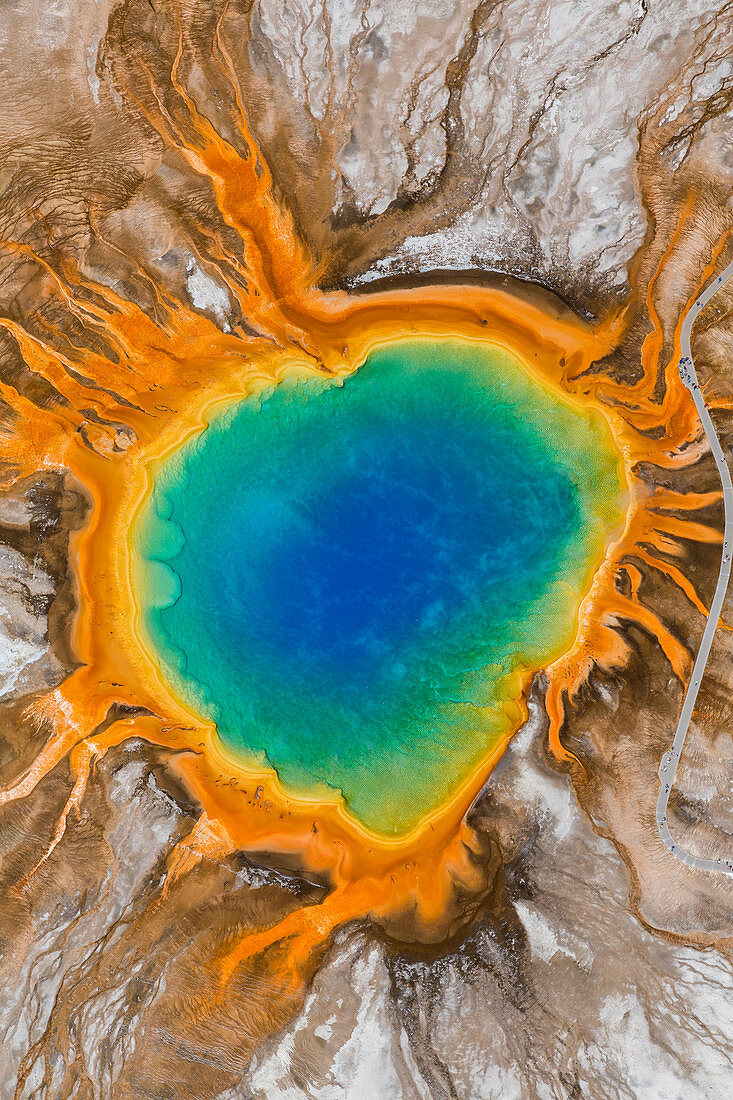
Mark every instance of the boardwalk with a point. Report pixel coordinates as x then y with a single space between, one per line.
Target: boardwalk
671 758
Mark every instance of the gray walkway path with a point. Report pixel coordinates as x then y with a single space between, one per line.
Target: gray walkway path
671 758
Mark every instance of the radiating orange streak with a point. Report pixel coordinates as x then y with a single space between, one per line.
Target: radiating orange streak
555 708
60 715
685 529
81 758
634 575
35 443
54 368
676 575
208 840
81 310
684 502
623 607
27 418
306 928
122 323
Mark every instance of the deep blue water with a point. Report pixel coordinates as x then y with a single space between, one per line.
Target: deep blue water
344 576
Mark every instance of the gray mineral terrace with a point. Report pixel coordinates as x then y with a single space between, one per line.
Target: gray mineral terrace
671 758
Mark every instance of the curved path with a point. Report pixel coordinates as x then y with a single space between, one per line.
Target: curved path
671 758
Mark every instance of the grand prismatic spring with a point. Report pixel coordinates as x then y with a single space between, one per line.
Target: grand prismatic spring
358 531
346 577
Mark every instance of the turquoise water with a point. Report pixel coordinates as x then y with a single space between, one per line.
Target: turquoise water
344 575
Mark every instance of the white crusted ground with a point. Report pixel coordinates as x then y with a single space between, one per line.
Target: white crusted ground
548 115
609 1011
26 663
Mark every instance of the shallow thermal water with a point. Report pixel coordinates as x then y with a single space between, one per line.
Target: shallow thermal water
347 575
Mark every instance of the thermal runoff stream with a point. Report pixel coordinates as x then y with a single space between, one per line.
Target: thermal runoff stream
352 576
